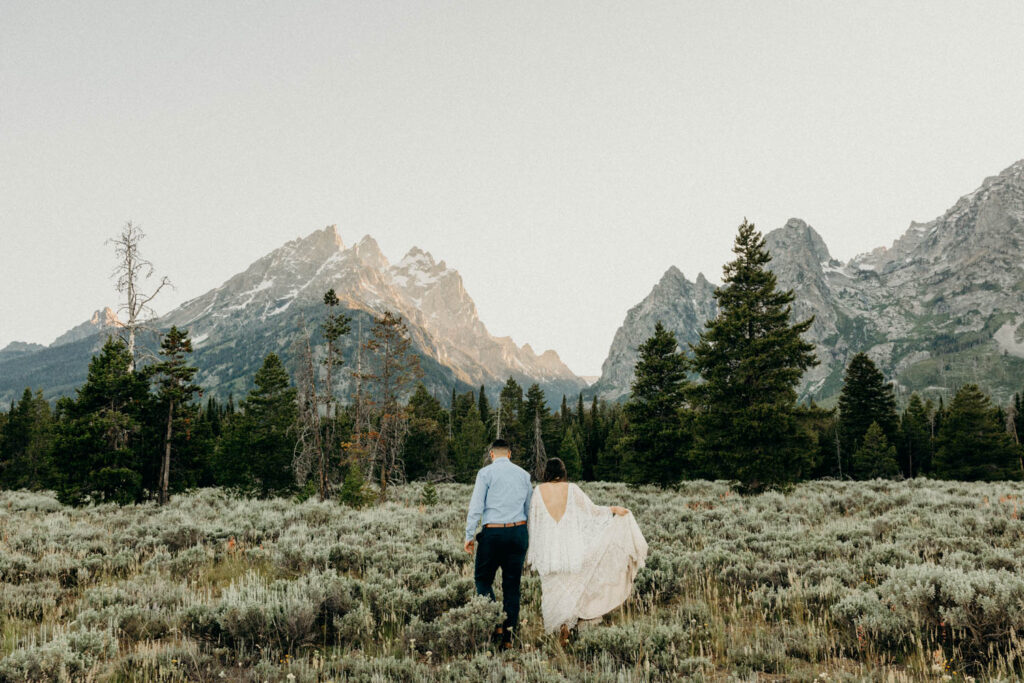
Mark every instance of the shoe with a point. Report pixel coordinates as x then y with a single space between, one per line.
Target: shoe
563 636
506 640
497 635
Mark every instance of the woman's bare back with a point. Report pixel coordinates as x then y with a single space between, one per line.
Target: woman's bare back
555 495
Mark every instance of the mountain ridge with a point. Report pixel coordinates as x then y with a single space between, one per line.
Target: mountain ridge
940 307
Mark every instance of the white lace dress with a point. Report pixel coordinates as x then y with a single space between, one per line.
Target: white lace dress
587 560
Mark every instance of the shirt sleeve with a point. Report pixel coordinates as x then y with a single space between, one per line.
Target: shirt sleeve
529 498
476 504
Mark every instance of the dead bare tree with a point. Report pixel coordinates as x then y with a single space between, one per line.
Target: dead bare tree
130 270
309 435
393 368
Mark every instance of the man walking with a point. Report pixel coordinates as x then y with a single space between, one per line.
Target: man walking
501 502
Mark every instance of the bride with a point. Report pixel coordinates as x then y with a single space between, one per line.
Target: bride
587 555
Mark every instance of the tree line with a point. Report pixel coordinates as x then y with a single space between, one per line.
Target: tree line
724 408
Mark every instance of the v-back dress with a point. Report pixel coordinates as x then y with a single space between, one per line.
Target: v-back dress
587 560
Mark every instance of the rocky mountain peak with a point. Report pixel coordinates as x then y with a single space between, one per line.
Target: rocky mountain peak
102 319
369 253
799 237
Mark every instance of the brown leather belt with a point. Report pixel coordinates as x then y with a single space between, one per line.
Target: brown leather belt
491 526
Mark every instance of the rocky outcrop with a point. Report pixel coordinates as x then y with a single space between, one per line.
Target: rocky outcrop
942 306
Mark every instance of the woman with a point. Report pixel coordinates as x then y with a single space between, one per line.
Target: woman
587 555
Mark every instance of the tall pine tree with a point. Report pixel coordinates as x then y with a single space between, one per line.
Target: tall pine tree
255 453
972 443
751 358
97 451
915 439
658 439
865 398
175 390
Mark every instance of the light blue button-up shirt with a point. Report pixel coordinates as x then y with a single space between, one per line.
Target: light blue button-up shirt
501 495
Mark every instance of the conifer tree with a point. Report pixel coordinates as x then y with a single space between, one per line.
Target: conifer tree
484 406
469 446
509 416
96 454
865 398
751 359
915 442
571 452
1018 418
658 439
876 457
613 452
256 450
425 450
26 441
973 444
175 390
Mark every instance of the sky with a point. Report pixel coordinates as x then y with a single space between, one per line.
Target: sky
560 155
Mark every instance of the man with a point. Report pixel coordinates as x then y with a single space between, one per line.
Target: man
501 502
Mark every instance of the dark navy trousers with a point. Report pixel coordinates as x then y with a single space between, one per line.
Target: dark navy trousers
503 547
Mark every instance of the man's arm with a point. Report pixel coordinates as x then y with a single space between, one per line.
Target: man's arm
529 497
476 508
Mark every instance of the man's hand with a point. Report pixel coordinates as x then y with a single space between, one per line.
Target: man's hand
469 546
616 510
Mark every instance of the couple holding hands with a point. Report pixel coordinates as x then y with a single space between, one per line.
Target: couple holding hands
587 555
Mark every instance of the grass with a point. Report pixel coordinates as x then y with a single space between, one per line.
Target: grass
833 581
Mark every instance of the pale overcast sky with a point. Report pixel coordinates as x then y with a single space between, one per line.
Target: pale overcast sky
560 155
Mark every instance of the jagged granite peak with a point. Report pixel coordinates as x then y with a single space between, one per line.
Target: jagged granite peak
369 252
429 295
682 306
941 307
102 319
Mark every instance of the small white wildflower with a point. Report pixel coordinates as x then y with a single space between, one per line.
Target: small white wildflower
222 674
290 677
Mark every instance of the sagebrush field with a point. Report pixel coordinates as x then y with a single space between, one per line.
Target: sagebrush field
834 580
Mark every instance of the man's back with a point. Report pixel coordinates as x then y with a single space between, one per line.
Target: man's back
501 495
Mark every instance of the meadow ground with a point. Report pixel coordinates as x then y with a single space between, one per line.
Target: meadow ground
833 581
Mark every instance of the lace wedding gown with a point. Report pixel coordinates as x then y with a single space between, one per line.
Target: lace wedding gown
587 560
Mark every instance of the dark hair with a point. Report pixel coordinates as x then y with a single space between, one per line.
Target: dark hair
499 444
555 470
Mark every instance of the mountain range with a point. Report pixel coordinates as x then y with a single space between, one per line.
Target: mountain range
263 308
941 307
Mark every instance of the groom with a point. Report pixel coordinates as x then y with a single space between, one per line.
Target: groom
501 501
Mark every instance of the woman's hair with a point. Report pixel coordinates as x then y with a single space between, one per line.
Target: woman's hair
555 470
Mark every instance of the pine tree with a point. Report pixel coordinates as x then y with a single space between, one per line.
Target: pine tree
425 450
614 450
658 439
571 452
469 446
865 398
751 359
96 451
915 442
509 417
1018 419
334 326
484 406
255 453
972 444
876 457
536 421
175 391
26 442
